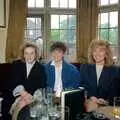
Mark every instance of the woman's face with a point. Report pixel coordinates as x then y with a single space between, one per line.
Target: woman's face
29 54
99 54
57 55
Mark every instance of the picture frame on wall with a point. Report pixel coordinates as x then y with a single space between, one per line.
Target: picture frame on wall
3 13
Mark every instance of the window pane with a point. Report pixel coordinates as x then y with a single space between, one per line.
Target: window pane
113 19
31 34
54 3
39 3
33 28
104 2
104 20
103 34
31 23
55 35
63 22
63 3
72 22
54 21
72 36
113 36
31 3
38 23
113 1
38 34
72 3
64 35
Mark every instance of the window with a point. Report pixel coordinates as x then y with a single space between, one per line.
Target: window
58 22
108 28
64 29
108 2
35 3
109 24
63 3
34 32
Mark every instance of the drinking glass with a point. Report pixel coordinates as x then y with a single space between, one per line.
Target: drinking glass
49 96
116 108
58 113
33 111
53 113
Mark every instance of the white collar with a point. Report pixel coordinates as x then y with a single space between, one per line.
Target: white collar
30 64
53 62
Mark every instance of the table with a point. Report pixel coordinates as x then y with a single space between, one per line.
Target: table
108 111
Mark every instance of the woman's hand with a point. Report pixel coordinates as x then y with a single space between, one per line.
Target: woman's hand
26 97
101 101
91 104
94 99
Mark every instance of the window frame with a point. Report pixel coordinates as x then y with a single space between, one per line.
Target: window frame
112 8
46 12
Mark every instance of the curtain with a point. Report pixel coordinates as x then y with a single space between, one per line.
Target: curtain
87 22
16 25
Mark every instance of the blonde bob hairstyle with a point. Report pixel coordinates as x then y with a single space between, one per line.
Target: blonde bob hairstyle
106 46
27 45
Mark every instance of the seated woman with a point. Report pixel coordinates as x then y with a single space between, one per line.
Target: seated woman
100 77
60 74
28 76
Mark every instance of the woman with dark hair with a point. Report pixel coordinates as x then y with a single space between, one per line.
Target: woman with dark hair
60 74
100 77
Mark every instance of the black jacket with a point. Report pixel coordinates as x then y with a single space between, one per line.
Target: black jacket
35 80
109 81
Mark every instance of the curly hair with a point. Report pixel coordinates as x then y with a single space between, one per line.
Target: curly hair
26 45
106 45
58 46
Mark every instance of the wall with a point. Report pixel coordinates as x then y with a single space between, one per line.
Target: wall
3 35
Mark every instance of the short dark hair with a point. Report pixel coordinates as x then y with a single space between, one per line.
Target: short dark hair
58 46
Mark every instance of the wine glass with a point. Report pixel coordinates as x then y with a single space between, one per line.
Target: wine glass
49 96
54 113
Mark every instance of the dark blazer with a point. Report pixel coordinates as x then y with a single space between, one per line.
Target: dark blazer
108 86
70 75
35 80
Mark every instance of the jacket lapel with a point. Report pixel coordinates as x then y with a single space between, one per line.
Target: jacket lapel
94 76
51 74
24 70
104 77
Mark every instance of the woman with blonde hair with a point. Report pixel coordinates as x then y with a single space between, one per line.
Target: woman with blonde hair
105 46
100 76
28 72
